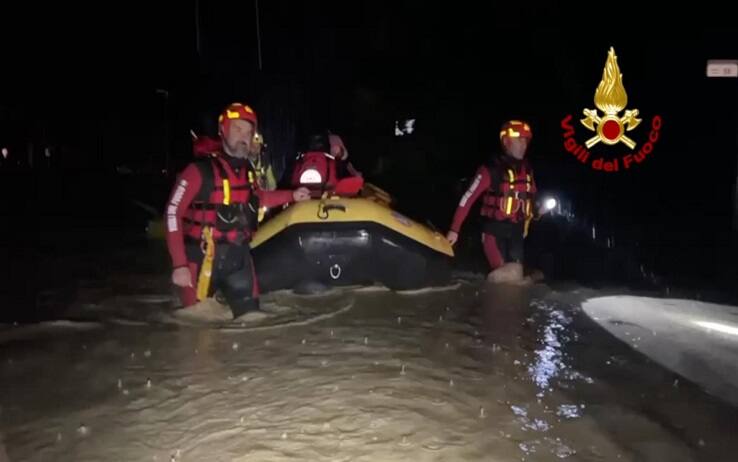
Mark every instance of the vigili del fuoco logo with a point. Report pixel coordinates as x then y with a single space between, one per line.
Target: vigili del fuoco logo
611 130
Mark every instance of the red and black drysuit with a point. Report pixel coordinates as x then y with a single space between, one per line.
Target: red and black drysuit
229 209
508 192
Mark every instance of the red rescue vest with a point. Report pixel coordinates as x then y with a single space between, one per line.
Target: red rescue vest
227 202
510 196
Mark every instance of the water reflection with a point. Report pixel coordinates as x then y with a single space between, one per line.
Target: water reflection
550 360
515 319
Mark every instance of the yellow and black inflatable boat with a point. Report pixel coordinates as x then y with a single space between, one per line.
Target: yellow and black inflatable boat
357 240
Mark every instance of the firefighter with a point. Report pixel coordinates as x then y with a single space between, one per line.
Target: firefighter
210 217
508 191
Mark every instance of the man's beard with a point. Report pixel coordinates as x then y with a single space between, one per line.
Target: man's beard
240 150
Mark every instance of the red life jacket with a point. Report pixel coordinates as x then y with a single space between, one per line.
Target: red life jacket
227 202
510 196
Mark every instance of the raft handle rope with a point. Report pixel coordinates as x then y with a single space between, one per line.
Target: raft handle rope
324 209
337 269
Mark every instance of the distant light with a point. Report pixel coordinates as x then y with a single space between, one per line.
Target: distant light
5 153
550 203
409 126
723 328
404 127
47 153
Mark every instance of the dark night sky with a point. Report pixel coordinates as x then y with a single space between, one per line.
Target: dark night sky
356 66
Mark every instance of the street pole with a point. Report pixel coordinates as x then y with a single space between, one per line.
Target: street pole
258 33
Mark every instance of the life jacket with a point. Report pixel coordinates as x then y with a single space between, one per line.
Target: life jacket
206 147
510 195
227 203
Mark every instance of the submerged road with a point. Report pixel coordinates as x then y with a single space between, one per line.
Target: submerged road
478 372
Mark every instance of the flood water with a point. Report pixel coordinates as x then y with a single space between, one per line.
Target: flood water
471 372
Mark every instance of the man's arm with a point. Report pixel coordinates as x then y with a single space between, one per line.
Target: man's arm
480 184
274 198
187 186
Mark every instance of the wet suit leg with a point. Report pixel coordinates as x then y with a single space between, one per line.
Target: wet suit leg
237 279
503 243
492 251
233 274
514 249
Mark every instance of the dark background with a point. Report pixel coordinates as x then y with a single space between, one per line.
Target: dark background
113 91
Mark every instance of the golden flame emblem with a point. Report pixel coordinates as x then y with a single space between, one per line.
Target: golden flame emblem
611 98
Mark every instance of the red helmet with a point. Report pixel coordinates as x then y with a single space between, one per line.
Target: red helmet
236 111
516 129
